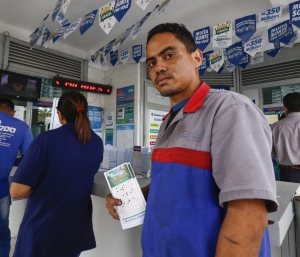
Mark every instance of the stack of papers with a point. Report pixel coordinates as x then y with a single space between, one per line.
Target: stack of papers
120 155
105 162
146 161
124 185
113 157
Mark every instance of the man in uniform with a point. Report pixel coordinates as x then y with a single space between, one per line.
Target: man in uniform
212 177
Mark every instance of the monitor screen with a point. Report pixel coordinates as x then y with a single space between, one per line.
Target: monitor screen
19 86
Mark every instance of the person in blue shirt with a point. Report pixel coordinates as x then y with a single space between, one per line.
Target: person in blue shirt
57 176
15 135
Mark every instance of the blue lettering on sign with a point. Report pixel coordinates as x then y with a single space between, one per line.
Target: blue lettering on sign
295 13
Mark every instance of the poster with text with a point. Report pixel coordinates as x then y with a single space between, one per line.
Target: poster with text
109 137
95 117
125 105
154 122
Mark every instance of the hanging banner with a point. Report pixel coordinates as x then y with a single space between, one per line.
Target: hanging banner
162 8
34 39
114 57
62 20
271 14
124 55
72 27
288 36
97 55
41 27
229 66
257 58
235 53
221 69
245 27
143 4
208 68
60 32
137 52
106 17
202 68
121 7
34 32
109 47
56 9
46 35
254 45
216 60
138 25
293 40
295 13
245 60
222 35
277 32
273 52
202 38
126 34
117 42
103 59
65 5
88 21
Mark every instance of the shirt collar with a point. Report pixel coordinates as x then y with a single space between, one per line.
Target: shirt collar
195 102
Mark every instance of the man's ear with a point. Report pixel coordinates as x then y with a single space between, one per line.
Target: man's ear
198 57
286 110
12 113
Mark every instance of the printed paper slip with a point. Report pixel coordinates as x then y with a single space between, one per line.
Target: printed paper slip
123 185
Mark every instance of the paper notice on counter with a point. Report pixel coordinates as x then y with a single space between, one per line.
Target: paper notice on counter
123 185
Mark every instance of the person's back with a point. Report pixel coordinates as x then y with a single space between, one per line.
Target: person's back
59 169
15 135
286 139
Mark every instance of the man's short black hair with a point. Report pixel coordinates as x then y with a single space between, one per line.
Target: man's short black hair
292 102
179 31
5 102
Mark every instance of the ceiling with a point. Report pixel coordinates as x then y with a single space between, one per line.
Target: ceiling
195 14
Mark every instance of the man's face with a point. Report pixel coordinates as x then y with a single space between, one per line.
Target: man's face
17 86
172 69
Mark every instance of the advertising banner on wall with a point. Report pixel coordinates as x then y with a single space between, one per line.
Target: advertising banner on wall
277 32
154 122
235 53
216 60
109 137
121 8
222 35
137 52
245 27
270 14
258 58
106 17
295 13
95 117
88 21
202 38
114 57
273 52
124 55
125 105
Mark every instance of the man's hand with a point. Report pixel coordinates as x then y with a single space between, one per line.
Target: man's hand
110 205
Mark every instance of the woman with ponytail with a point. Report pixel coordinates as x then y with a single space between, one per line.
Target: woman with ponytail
57 175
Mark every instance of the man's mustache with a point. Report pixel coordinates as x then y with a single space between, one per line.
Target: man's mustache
165 74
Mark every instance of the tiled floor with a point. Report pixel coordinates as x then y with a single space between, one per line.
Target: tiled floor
12 246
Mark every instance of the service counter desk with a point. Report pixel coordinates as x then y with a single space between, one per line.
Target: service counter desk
113 241
282 232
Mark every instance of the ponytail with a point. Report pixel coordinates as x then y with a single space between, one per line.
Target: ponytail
74 108
82 125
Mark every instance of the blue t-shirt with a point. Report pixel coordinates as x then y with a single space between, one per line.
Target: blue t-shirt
58 216
14 135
